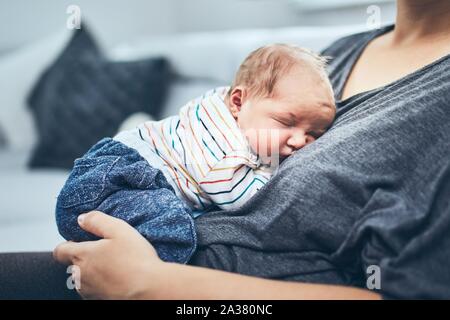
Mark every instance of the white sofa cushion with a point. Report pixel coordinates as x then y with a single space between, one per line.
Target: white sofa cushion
217 55
27 204
19 71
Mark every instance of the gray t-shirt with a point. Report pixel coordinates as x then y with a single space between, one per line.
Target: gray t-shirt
373 191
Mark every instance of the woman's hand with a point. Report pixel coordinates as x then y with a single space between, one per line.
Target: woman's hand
114 267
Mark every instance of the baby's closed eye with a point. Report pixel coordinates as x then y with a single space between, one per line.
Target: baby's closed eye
288 122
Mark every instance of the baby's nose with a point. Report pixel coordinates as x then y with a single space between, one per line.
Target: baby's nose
297 141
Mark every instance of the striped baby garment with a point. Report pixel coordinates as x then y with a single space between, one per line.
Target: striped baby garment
202 153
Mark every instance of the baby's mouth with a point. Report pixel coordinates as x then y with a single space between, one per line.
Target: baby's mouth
284 155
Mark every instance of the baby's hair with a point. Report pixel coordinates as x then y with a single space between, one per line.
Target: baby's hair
262 68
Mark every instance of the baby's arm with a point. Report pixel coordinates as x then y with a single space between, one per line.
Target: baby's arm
116 180
97 182
231 182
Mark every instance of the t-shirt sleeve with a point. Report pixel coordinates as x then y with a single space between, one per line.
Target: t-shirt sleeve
407 245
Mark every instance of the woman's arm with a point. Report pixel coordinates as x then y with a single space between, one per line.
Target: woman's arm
175 281
124 265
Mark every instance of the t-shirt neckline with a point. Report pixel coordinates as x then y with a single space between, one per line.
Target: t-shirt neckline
358 54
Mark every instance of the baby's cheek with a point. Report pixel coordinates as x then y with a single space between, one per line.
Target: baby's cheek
280 140
274 142
253 142
260 144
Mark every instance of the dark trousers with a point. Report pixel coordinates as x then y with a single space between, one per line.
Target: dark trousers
34 275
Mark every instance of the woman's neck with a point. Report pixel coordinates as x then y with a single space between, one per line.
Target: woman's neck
421 20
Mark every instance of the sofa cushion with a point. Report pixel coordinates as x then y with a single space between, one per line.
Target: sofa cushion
24 65
217 55
83 97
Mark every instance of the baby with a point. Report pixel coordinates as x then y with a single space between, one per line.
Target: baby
216 153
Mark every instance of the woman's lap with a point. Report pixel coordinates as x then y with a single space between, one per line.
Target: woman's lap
33 275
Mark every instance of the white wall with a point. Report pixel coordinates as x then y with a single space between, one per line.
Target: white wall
113 21
356 14
196 15
22 21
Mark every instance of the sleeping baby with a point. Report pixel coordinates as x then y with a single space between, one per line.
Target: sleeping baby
216 153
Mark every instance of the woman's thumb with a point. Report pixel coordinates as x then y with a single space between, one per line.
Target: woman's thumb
99 224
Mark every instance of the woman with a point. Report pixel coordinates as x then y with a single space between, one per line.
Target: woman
372 192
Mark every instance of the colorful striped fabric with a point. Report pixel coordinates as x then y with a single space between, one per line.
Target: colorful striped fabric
202 152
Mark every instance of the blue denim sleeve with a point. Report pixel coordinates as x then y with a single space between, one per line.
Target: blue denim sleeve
115 179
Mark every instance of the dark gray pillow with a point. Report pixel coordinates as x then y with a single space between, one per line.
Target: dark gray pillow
83 97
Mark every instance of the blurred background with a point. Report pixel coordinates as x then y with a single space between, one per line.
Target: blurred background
62 88
22 21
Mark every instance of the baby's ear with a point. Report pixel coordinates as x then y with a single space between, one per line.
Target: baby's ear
236 100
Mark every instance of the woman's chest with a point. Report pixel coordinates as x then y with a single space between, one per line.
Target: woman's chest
380 64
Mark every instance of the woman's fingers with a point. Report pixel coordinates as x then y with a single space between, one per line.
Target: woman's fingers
72 252
66 252
101 225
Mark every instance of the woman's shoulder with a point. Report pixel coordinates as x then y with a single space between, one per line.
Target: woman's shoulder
350 42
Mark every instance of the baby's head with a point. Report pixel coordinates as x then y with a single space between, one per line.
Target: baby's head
281 99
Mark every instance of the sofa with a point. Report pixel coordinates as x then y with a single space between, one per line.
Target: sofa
203 60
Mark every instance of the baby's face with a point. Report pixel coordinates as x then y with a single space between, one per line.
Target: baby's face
299 112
